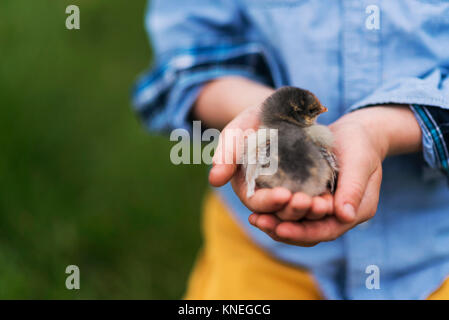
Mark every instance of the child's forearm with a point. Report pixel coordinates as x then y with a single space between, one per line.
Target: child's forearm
223 99
405 134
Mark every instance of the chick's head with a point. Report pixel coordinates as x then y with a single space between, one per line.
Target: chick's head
292 104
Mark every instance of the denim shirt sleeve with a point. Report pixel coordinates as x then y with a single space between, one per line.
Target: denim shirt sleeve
428 97
195 41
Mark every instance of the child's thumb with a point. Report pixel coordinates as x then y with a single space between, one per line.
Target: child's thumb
352 181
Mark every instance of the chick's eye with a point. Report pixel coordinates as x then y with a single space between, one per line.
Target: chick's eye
313 110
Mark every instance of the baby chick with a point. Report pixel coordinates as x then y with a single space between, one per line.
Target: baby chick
305 160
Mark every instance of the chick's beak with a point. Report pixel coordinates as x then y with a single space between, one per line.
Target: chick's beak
323 109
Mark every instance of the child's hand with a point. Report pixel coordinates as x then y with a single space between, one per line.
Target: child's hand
362 140
278 200
263 200
356 196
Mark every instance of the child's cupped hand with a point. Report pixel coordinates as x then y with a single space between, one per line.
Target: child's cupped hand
360 147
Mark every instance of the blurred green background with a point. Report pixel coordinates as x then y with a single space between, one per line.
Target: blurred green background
81 181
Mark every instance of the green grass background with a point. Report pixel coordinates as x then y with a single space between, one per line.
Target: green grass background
81 181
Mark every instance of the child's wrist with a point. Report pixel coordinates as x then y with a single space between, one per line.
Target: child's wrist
370 121
393 129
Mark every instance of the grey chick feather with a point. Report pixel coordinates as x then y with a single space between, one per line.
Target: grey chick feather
305 159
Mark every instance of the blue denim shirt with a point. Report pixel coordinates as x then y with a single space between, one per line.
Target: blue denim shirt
336 50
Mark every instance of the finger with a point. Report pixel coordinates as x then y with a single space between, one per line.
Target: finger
229 149
352 180
329 228
266 222
229 146
220 174
326 229
321 206
297 207
263 200
368 205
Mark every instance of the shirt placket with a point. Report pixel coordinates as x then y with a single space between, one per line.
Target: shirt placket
361 52
361 75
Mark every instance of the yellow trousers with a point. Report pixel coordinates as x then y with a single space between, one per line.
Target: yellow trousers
231 266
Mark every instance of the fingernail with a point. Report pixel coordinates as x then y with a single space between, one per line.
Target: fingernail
252 219
349 211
